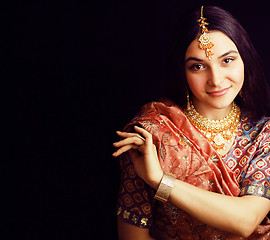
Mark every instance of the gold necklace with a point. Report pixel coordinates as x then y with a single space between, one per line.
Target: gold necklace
218 132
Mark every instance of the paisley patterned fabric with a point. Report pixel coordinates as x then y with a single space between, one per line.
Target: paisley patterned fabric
185 152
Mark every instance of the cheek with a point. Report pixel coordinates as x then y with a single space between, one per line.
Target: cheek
238 77
195 83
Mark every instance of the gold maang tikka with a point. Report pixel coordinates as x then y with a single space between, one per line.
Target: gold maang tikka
205 38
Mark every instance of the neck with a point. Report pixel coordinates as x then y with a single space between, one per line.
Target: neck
219 132
212 113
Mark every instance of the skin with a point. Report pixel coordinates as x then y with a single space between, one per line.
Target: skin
214 85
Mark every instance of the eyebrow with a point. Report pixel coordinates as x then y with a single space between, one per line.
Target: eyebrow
200 60
228 53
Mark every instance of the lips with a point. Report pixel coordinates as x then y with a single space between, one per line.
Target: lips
218 93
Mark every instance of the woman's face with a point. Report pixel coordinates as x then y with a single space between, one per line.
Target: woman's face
214 83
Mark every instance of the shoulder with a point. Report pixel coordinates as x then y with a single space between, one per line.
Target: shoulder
158 105
155 116
248 126
156 108
255 132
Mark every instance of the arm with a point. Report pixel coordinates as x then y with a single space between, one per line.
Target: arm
127 231
239 215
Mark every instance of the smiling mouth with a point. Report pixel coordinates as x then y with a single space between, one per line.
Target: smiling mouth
219 92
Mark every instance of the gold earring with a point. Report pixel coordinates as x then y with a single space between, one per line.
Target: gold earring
241 95
188 102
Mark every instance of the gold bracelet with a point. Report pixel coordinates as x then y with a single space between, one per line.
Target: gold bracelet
165 187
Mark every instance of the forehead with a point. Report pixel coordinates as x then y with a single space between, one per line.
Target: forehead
222 44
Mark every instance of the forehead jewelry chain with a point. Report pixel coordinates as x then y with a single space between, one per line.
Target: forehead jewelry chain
218 132
205 38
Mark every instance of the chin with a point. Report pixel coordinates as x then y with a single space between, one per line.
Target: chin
221 105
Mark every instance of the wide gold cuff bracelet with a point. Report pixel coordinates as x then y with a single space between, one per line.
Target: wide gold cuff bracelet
165 187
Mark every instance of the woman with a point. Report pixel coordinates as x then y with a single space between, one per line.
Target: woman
200 169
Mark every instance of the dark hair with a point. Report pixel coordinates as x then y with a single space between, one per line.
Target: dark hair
255 92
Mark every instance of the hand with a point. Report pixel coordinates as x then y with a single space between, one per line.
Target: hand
143 153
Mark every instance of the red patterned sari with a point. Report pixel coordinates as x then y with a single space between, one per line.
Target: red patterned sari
185 152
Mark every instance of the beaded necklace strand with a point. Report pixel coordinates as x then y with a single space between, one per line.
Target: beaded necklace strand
218 132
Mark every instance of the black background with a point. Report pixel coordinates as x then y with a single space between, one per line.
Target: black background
73 73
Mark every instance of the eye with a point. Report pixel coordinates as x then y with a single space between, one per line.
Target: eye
228 60
196 67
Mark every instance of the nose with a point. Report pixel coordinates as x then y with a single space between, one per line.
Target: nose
215 77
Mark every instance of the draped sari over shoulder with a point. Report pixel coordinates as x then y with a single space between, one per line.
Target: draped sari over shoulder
185 152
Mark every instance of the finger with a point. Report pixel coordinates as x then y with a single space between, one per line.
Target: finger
128 134
146 134
124 149
131 140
